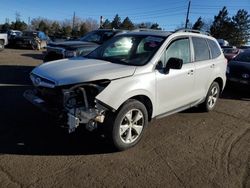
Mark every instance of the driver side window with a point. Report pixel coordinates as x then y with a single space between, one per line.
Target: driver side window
179 48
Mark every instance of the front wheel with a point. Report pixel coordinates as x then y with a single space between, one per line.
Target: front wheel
1 45
211 98
128 125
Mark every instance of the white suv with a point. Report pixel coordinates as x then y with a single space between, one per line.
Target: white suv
131 79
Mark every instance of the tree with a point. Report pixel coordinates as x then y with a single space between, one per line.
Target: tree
83 29
91 24
155 26
127 24
241 22
106 24
142 26
116 22
222 27
55 29
5 27
44 27
66 31
198 25
19 25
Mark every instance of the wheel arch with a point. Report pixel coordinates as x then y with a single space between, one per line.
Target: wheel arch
219 80
145 100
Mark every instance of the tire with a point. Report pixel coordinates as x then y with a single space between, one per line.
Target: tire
1 45
211 98
123 130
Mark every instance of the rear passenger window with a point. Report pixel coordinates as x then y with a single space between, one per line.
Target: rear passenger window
201 51
215 50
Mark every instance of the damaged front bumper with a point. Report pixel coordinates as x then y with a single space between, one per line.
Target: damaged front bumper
75 115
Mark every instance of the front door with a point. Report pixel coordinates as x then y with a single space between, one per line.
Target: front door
175 88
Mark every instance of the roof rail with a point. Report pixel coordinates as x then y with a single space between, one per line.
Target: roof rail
146 29
192 31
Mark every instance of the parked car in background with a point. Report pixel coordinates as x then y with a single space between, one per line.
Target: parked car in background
3 40
245 47
223 42
231 53
81 47
31 39
12 34
129 80
238 70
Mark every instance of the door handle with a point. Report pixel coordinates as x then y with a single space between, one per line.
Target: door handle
191 72
212 66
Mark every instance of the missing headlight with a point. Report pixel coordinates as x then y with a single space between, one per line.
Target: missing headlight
83 95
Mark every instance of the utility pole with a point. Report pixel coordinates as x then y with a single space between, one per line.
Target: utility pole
74 18
101 22
28 23
187 20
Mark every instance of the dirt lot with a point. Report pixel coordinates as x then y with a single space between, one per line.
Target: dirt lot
189 149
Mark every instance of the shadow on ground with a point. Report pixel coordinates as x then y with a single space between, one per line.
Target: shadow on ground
25 130
35 56
15 74
236 92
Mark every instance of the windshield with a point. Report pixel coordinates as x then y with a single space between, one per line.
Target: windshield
243 57
131 50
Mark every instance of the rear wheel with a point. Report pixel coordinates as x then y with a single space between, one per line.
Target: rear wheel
211 98
127 127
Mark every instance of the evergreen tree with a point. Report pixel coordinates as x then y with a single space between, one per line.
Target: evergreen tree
242 27
222 27
127 24
19 25
155 26
198 25
55 29
83 29
43 27
5 27
116 23
106 24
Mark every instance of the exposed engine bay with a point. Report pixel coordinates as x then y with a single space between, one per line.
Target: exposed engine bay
75 105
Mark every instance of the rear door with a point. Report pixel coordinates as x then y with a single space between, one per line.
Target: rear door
204 66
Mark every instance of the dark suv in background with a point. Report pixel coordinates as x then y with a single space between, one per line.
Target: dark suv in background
81 47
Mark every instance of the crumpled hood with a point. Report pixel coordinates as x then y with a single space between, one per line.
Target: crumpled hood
80 69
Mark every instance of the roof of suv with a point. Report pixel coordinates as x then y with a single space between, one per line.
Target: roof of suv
166 33
150 32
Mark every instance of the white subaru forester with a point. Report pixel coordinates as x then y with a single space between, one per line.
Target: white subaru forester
131 79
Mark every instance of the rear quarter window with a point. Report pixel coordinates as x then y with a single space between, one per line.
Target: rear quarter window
201 50
214 48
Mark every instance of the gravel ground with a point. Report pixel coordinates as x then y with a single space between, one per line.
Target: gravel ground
188 149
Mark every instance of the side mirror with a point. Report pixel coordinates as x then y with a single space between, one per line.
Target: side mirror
173 63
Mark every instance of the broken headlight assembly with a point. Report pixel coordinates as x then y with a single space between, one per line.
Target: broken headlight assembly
81 106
